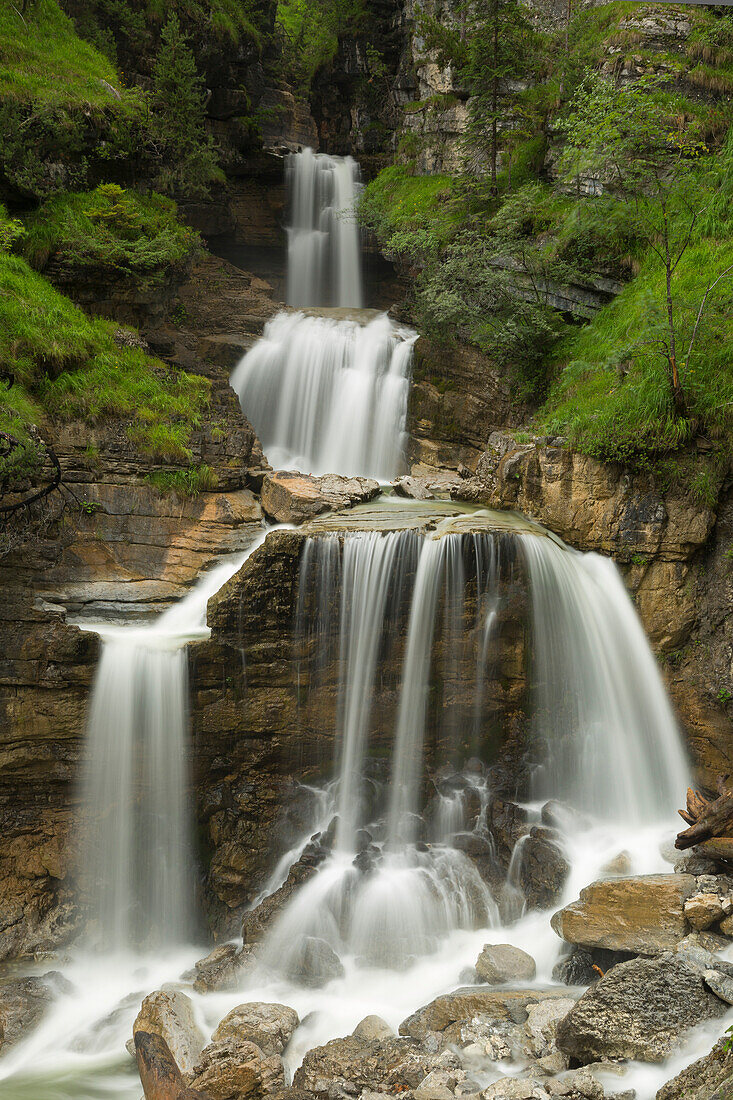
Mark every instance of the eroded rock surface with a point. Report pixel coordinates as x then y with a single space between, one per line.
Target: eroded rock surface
292 497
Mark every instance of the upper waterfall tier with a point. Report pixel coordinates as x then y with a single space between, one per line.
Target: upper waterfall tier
324 262
329 395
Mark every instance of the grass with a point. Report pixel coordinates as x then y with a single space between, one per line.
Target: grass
186 483
410 215
110 228
66 366
42 59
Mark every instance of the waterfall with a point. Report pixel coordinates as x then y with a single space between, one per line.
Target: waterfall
137 861
324 267
329 396
610 743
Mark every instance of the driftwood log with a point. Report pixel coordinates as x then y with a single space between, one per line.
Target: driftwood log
160 1076
708 818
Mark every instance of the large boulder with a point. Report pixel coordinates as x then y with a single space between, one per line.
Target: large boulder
313 963
639 1009
23 1002
223 968
543 870
710 1078
268 1026
500 962
352 1064
643 915
292 497
229 1070
451 1018
257 922
169 1013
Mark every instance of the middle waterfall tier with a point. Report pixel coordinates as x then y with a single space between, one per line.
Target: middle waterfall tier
329 395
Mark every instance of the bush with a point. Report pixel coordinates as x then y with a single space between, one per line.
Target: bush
109 228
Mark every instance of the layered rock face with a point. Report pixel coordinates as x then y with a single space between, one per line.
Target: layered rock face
265 704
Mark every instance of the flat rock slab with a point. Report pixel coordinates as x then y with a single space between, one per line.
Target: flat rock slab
292 497
447 1015
643 915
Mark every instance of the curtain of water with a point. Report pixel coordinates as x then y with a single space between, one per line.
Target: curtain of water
324 264
327 396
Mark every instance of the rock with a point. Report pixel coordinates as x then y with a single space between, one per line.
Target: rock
23 1002
373 1027
292 497
228 1070
710 1078
169 1013
702 911
223 968
643 915
541 1025
446 1019
387 1065
510 1088
726 926
543 870
620 865
501 962
439 1084
577 968
413 487
256 923
268 1026
160 1076
314 963
639 1009
720 983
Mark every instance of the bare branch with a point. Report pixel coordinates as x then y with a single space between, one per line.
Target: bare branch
710 286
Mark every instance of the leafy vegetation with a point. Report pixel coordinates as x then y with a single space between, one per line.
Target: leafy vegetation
310 30
111 229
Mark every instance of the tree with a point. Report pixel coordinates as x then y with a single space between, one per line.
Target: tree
492 45
187 162
625 140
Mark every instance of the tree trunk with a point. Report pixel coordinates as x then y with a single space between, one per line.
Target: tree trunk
713 819
160 1076
678 398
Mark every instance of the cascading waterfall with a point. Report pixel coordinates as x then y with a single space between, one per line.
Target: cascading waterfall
327 395
606 740
324 265
137 859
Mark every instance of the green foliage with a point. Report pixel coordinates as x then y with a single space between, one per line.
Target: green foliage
62 364
188 483
111 229
11 230
310 31
185 154
411 216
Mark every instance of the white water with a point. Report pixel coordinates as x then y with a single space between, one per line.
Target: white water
324 263
137 866
329 396
405 932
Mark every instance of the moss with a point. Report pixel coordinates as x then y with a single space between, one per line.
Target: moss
65 365
188 483
109 228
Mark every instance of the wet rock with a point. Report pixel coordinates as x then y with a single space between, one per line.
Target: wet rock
726 926
643 915
228 1070
638 1010
169 1013
566 819
256 923
447 1019
314 963
501 962
24 1001
292 497
720 983
620 865
268 1026
414 487
710 1078
222 968
440 1084
702 911
541 1025
373 1027
583 967
389 1065
510 1088
160 1077
543 870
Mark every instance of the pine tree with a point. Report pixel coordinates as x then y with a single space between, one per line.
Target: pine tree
184 151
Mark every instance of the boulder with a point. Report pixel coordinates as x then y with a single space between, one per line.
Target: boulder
314 963
543 870
639 1009
373 1027
440 1084
643 915
541 1025
223 968
351 1065
228 1070
23 1002
447 1019
414 487
169 1013
510 1088
268 1026
501 962
257 922
720 983
702 911
710 1078
160 1077
292 497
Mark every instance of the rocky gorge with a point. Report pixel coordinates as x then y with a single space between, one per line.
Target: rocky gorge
428 826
